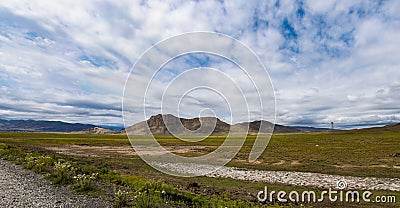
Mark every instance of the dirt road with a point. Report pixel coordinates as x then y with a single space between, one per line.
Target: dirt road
23 188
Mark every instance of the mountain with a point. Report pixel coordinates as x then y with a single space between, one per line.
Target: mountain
165 124
41 126
310 129
262 127
382 129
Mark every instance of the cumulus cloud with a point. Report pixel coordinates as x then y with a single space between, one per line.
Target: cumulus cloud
328 60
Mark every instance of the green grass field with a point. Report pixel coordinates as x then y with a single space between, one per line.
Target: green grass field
375 154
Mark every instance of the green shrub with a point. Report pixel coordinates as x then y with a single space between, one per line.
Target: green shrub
84 182
149 199
121 198
134 182
111 177
10 153
157 194
63 173
39 164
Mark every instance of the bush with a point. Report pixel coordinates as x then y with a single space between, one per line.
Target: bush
39 164
154 194
121 198
147 199
111 177
63 173
10 153
84 182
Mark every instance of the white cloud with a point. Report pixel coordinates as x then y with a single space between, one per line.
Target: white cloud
330 61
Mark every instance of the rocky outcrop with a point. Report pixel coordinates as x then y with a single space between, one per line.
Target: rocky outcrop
169 124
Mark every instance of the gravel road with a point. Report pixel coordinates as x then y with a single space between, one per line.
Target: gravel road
23 188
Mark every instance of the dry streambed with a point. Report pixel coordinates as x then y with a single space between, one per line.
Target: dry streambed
323 181
319 180
108 150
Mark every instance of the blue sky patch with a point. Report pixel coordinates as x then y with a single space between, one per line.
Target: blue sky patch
99 61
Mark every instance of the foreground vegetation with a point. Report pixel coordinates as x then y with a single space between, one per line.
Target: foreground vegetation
343 153
128 181
86 176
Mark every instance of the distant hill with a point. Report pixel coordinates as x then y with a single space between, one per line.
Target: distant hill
262 127
310 129
96 130
393 127
201 126
387 128
41 126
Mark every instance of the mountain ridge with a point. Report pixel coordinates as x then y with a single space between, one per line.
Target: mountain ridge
41 126
165 124
158 127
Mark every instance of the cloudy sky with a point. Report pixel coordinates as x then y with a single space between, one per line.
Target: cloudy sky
328 60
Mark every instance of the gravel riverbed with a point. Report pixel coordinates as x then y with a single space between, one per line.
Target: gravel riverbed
323 181
24 188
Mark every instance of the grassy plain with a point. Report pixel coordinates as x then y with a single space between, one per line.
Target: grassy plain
372 154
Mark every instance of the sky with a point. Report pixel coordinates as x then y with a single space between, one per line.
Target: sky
328 61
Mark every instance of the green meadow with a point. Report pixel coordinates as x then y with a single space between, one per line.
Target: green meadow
122 174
